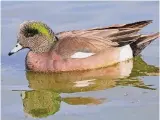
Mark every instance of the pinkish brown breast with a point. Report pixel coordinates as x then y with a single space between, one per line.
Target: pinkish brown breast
51 62
40 62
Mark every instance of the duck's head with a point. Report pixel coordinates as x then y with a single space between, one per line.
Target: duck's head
36 36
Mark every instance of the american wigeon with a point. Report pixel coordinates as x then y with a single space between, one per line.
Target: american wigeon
80 49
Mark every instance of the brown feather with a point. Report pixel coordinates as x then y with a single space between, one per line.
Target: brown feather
98 39
143 42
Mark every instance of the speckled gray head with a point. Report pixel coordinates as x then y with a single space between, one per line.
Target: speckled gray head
36 36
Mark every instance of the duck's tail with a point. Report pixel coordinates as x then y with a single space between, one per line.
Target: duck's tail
142 42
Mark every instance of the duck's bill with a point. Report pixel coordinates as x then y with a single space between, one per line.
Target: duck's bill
15 49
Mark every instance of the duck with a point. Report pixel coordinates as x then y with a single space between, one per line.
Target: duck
79 50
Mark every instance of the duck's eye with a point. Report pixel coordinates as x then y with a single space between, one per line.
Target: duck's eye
30 32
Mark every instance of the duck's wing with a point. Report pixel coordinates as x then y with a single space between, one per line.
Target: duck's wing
97 39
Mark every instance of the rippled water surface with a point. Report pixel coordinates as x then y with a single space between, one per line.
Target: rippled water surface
97 94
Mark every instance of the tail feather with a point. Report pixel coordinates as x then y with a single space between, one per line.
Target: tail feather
139 24
134 25
142 42
124 32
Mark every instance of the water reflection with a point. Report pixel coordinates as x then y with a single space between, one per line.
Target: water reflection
42 103
83 100
123 74
45 99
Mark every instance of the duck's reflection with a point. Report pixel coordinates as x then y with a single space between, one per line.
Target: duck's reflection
42 103
45 99
126 73
83 100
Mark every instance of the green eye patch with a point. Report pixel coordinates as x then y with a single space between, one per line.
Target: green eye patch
38 27
29 32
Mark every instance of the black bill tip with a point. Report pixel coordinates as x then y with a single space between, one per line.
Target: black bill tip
10 53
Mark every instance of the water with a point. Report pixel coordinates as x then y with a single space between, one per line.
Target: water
97 94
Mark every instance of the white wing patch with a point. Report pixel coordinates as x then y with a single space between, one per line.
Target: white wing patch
125 53
81 55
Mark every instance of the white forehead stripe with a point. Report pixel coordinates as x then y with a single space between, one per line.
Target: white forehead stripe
16 48
81 55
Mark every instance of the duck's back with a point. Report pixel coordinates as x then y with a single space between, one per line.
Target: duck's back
93 41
